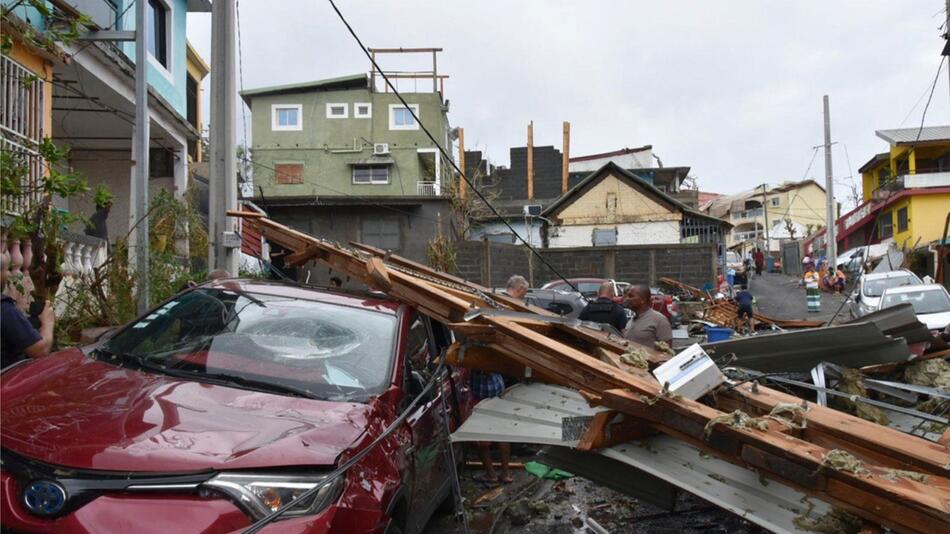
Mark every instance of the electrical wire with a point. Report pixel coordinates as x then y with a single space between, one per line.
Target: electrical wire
447 157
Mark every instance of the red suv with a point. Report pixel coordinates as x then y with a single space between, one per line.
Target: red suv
225 403
590 286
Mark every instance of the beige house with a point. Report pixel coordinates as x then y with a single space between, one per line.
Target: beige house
612 206
791 210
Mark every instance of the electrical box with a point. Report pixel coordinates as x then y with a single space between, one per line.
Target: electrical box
691 373
230 239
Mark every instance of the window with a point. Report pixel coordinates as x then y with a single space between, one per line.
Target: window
286 117
380 232
605 237
362 110
371 174
902 220
157 15
776 201
337 111
887 225
400 118
288 173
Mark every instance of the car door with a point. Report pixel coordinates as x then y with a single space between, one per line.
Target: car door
425 423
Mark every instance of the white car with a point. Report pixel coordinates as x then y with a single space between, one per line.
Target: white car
931 303
867 296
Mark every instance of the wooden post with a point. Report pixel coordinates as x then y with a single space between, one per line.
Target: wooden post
565 157
530 160
462 184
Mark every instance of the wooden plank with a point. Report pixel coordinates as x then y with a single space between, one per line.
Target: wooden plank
613 428
378 273
299 258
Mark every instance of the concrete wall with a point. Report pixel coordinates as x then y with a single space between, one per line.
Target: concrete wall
417 225
327 146
531 232
644 233
491 264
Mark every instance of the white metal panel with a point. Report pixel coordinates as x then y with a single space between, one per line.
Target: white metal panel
532 413
641 233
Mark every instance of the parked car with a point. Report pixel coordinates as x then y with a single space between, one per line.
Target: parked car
226 402
867 295
566 303
931 303
589 287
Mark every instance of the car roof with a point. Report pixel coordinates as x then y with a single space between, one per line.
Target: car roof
914 289
578 280
356 299
889 274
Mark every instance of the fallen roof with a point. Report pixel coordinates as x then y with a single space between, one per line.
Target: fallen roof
621 152
851 345
898 321
535 413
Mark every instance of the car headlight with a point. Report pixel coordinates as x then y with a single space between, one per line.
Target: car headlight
261 494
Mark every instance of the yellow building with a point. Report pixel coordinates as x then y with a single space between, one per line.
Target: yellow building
197 70
906 191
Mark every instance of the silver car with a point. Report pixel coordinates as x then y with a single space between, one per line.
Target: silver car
867 296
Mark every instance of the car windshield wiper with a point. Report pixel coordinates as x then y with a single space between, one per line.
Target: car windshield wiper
239 381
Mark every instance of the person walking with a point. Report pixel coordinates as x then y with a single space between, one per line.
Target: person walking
812 291
604 309
18 339
648 325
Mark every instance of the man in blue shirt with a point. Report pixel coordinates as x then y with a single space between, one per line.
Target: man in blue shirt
18 339
746 316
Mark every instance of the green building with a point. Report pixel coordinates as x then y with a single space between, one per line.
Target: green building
342 161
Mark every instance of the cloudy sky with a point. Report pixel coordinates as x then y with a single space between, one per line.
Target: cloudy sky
732 89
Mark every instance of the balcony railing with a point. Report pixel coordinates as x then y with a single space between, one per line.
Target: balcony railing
428 189
22 130
747 214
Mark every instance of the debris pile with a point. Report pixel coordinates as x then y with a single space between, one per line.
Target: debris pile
831 461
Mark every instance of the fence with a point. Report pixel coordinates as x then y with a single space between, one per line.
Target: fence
491 264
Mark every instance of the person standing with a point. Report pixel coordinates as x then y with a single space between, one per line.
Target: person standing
648 325
759 258
812 291
488 385
604 310
18 339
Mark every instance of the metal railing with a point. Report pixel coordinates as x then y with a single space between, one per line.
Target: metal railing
747 214
22 129
428 189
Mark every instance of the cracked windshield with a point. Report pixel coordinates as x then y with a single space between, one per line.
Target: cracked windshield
264 341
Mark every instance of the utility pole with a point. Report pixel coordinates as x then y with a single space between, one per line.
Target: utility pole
223 180
765 209
140 151
946 35
531 160
831 246
462 183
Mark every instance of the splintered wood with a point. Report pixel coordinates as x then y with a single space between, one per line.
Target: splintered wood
586 360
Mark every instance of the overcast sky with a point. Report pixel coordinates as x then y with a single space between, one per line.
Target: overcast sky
732 90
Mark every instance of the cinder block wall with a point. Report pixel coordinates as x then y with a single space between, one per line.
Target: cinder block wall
491 264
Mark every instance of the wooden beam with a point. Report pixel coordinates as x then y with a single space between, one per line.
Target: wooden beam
531 160
402 50
378 273
462 184
565 157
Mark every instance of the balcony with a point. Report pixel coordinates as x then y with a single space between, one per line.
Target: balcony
428 189
754 213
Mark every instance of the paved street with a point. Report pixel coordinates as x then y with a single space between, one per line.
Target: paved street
779 296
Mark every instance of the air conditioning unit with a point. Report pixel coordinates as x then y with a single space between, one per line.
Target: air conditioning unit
380 149
532 209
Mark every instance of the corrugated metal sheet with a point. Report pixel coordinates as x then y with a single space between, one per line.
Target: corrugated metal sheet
909 135
533 413
851 345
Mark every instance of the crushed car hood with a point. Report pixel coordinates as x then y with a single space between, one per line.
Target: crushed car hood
73 411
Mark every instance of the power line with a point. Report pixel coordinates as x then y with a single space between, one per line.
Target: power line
237 8
445 154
